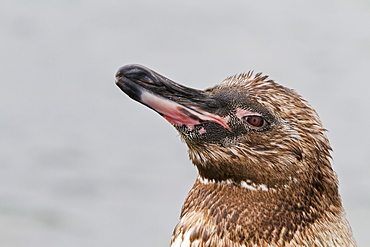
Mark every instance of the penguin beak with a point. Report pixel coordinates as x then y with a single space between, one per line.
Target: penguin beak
178 104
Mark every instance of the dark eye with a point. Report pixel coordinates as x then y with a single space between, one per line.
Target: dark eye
256 121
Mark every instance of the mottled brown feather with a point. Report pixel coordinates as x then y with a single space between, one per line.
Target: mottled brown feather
267 188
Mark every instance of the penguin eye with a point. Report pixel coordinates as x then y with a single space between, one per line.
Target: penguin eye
256 121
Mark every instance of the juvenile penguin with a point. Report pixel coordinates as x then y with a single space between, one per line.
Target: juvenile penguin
263 158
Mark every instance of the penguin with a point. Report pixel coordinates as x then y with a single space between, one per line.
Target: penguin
264 166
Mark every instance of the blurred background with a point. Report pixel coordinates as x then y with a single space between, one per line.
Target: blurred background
81 164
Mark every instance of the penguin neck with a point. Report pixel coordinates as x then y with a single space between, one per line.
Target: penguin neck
237 213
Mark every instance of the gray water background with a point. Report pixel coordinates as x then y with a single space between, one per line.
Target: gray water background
81 164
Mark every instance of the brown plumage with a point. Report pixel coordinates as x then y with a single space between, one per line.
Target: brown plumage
265 177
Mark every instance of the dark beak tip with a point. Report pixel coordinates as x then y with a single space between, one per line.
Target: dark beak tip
130 68
136 72
123 70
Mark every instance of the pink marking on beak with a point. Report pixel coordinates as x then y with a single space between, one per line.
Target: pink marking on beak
171 111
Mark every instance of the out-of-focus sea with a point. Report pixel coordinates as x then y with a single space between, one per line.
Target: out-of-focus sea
81 164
